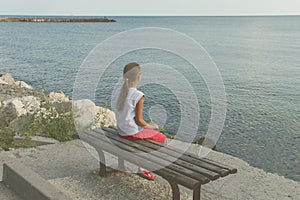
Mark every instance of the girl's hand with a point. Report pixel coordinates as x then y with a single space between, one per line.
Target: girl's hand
154 126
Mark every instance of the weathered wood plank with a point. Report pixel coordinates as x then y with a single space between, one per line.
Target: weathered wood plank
213 166
221 165
100 142
170 157
159 158
231 169
213 174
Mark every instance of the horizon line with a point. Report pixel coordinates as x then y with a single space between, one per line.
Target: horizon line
158 15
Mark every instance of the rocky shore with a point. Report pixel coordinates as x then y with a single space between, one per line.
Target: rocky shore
39 19
28 113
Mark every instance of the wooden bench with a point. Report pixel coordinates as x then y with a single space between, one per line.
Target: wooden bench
166 161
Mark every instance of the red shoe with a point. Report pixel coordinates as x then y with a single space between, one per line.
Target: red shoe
146 174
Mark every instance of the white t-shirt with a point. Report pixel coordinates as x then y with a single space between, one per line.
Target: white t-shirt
126 117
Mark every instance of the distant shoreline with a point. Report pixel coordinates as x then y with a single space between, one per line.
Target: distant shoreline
49 19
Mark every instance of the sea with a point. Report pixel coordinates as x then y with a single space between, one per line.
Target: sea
257 57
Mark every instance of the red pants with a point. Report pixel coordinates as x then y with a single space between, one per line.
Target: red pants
147 134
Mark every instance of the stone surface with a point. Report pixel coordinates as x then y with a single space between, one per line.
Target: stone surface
73 168
34 140
28 184
2 81
39 140
31 103
105 117
8 194
8 79
87 114
23 85
16 107
84 113
62 107
18 137
58 97
12 109
12 91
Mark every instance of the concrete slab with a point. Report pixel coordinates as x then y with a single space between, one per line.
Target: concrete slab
7 194
28 184
54 161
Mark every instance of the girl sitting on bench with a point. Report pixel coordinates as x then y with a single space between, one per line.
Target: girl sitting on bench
129 112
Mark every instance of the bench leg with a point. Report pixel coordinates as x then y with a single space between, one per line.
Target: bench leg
197 193
175 189
102 171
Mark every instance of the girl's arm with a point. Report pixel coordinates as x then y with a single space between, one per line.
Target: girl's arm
139 116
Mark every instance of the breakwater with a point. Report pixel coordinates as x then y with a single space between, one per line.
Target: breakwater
40 19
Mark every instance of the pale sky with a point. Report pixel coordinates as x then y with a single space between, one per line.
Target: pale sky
149 7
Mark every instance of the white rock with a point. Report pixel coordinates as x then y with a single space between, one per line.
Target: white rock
58 97
84 113
31 103
16 106
8 79
21 106
18 137
105 117
23 84
88 115
3 82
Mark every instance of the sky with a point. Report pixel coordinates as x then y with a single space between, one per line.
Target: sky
149 7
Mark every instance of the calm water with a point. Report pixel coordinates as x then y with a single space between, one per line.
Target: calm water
258 58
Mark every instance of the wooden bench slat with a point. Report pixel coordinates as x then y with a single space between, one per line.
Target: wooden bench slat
231 169
218 164
198 162
172 158
97 141
158 158
223 171
220 169
210 171
217 167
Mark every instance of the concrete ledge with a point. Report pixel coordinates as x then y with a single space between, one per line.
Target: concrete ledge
28 184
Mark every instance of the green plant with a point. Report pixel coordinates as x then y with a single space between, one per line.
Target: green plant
49 123
162 130
6 138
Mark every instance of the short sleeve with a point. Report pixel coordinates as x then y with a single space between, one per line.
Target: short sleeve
137 96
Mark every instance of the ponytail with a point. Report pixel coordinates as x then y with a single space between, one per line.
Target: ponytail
130 73
123 95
